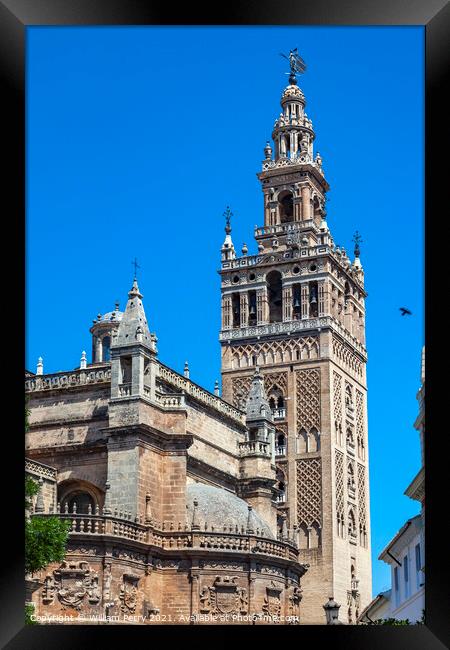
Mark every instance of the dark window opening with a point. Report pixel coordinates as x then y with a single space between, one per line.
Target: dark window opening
313 304
81 501
106 344
236 307
296 302
275 296
252 307
286 208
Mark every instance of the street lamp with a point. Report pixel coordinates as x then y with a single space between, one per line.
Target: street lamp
332 612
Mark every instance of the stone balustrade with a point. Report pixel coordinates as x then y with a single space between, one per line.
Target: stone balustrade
198 393
254 448
286 327
279 414
170 400
60 380
168 535
284 228
125 389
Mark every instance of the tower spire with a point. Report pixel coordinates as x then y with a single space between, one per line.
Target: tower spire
228 252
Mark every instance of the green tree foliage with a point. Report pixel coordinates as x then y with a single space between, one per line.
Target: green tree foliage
45 542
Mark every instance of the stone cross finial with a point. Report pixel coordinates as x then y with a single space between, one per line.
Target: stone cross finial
136 266
83 361
40 367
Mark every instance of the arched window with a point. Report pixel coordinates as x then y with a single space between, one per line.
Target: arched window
275 296
106 345
302 442
314 536
80 495
281 486
236 307
351 524
281 440
272 403
303 536
314 440
286 206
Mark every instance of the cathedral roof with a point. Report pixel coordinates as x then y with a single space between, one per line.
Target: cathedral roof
222 509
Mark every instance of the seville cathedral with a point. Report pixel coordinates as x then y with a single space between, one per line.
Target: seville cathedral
250 506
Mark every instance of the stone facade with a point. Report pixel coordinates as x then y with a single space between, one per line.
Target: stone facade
186 504
296 311
169 490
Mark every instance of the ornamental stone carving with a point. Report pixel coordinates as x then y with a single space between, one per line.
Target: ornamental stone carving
272 600
225 596
71 583
128 593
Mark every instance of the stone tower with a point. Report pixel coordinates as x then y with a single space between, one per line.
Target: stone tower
296 311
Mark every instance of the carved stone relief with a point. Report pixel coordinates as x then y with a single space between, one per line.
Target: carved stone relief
225 596
71 583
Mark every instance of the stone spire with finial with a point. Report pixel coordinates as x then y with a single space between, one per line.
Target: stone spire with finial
133 326
357 251
257 405
228 252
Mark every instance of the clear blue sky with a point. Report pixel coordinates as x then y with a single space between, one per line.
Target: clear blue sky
138 138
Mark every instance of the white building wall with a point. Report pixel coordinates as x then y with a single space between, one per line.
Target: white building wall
407 596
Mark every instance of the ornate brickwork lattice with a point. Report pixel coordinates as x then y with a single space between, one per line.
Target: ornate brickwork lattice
241 386
360 424
337 406
309 491
283 351
339 479
362 505
308 399
346 357
275 380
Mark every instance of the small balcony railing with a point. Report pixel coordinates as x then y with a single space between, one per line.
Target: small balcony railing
280 450
281 498
279 414
125 389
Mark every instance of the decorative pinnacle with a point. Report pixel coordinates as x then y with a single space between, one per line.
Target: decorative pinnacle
357 240
296 64
227 214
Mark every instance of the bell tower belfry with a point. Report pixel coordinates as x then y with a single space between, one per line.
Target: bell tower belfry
296 310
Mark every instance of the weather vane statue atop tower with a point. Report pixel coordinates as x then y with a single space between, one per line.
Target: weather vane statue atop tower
296 64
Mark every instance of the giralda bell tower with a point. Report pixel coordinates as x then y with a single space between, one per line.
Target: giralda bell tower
296 311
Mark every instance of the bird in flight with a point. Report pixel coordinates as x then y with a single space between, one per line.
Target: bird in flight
405 311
